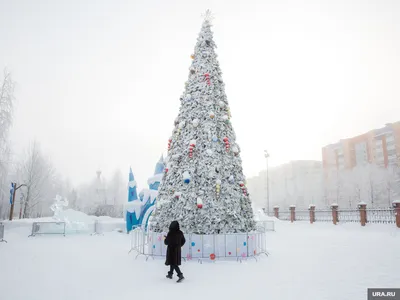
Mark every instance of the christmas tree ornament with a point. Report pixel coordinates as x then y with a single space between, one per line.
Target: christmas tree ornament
211 114
192 56
181 124
235 150
243 187
169 143
221 104
231 179
214 139
192 145
218 187
199 202
186 177
192 71
177 195
209 152
207 76
225 118
195 122
188 97
227 144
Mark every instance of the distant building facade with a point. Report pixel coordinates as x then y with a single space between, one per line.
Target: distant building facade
379 148
297 183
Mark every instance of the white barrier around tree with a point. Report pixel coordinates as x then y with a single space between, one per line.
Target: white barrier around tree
267 225
203 247
2 233
39 228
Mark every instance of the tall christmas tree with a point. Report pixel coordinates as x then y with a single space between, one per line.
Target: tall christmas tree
203 186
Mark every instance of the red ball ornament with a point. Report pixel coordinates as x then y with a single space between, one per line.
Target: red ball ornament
212 256
166 170
225 139
199 203
169 144
229 253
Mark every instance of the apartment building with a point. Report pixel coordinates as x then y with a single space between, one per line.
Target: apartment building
372 152
379 146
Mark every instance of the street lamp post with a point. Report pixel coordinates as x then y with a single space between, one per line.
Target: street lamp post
266 155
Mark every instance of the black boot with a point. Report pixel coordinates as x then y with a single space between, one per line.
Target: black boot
180 276
169 275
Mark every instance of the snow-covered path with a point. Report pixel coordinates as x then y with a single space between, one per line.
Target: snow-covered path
319 261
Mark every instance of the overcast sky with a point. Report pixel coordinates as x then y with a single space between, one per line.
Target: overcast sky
99 81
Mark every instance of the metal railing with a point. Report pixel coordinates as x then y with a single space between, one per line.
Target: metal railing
349 215
284 215
323 215
203 247
383 216
39 228
302 215
374 215
266 225
2 233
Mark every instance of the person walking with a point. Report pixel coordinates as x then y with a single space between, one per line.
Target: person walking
174 240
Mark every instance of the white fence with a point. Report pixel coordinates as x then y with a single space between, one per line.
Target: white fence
48 228
204 247
2 233
266 225
64 228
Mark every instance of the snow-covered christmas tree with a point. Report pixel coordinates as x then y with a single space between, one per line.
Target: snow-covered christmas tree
203 186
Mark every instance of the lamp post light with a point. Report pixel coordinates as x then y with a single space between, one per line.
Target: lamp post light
266 155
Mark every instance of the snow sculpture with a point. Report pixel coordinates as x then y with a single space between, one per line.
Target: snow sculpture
75 221
139 209
57 207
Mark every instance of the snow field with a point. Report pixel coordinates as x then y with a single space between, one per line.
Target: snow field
319 261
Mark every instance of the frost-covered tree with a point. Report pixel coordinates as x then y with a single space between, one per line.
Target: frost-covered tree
203 186
6 112
37 173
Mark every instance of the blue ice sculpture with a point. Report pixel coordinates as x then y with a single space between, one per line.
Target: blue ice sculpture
139 210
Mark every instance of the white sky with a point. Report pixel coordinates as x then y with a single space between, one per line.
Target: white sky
99 81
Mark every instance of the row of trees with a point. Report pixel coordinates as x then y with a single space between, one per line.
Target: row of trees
376 185
42 182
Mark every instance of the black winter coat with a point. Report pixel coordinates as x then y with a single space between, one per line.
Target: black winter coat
174 240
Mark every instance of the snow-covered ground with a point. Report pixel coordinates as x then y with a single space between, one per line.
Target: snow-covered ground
319 261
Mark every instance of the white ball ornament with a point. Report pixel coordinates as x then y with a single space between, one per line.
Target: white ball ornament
195 122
